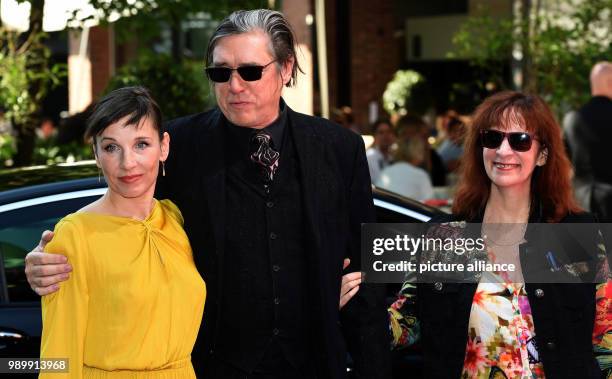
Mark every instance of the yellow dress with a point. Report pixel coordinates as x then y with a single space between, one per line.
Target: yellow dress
134 301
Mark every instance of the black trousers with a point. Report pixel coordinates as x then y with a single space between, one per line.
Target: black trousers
274 365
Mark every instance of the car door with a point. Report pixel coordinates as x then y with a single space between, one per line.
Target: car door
21 224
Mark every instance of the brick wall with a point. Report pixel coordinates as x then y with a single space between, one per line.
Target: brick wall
300 97
375 54
332 52
101 55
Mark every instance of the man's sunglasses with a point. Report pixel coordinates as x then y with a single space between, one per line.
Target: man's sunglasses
519 141
249 73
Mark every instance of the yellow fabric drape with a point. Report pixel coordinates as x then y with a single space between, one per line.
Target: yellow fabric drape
134 301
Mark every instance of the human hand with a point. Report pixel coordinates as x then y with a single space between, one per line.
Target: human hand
350 284
45 271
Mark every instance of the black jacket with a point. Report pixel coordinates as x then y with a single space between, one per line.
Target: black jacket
563 316
337 199
588 132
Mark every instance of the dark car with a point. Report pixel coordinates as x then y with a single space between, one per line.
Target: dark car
34 199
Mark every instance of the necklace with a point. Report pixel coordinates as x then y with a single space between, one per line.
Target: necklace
502 234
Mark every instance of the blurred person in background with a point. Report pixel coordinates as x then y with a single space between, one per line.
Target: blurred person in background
405 176
451 148
409 127
379 154
588 133
344 116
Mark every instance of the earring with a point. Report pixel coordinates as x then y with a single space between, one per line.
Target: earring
542 157
163 168
99 178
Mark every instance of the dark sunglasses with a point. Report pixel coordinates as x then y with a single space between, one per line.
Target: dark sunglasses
249 73
519 141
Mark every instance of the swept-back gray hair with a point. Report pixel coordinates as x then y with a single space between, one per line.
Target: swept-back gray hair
273 23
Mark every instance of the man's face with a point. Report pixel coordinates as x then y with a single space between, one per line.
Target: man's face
384 137
249 104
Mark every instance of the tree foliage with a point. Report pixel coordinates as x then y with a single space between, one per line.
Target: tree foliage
26 75
167 10
485 41
407 92
553 44
179 89
22 66
145 18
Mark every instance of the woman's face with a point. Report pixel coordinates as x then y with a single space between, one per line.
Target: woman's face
508 168
129 157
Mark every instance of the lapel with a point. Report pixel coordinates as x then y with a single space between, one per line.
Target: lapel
214 181
310 151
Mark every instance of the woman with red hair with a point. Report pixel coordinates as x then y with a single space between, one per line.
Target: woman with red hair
541 173
514 173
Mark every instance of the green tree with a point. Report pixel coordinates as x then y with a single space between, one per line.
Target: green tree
179 89
178 83
144 18
408 92
553 45
26 76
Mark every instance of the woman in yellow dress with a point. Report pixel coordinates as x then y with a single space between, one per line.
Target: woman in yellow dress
133 305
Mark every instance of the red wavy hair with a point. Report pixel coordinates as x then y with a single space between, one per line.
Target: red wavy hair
551 183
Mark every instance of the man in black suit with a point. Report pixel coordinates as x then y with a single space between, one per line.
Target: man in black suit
588 132
273 202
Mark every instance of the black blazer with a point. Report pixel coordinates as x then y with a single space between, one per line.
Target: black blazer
588 133
563 317
337 199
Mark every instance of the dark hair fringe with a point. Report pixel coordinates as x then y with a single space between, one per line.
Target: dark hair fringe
135 102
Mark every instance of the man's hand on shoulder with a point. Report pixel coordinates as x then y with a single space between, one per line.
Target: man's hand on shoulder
45 271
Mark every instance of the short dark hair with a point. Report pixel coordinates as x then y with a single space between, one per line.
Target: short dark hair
379 122
135 102
272 23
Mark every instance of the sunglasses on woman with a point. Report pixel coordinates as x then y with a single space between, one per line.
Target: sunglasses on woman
249 73
518 141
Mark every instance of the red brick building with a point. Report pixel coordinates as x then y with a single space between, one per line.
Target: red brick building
366 43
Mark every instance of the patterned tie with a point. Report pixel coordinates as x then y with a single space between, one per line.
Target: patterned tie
264 155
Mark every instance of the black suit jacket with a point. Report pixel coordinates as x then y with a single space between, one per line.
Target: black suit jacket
588 133
337 200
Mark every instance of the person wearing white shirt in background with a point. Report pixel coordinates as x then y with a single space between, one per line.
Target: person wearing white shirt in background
379 155
404 177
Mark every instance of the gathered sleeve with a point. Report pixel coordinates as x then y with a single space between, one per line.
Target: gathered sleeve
65 312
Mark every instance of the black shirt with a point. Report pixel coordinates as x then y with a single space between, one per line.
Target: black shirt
264 312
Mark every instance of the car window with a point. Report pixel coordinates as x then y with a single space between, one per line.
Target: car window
20 231
391 213
387 216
